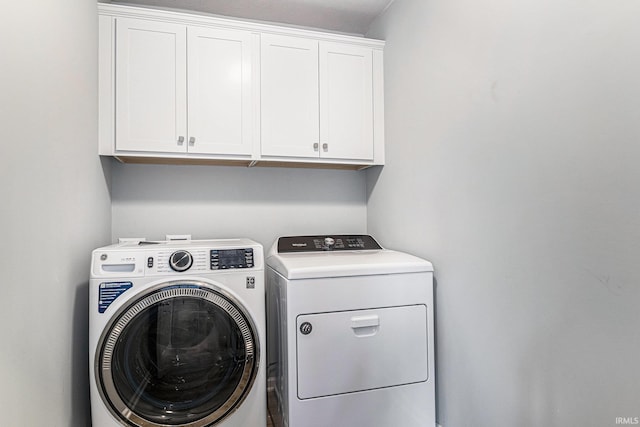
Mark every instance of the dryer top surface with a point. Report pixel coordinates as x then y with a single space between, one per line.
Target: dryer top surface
348 263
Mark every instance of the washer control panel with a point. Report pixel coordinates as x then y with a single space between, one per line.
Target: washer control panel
140 259
339 242
223 259
200 260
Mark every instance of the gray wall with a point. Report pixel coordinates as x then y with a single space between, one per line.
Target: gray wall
513 144
54 209
219 202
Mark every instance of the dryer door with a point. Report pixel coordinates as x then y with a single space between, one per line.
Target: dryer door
351 351
184 354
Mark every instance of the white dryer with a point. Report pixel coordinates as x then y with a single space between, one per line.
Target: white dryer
177 334
350 334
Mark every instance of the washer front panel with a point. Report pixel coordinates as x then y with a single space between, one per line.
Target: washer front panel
184 354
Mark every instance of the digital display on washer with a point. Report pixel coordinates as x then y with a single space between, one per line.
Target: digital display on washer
223 259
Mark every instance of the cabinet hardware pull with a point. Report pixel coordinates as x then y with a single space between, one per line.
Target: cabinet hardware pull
325 146
315 146
192 140
180 140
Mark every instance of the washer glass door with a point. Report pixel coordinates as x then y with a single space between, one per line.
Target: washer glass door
184 354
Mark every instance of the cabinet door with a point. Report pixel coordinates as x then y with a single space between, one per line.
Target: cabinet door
150 85
289 96
346 101
219 88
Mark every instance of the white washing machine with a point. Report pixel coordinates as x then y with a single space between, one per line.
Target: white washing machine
350 334
177 334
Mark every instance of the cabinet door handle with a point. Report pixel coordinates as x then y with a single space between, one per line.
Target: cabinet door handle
315 146
325 146
192 140
180 140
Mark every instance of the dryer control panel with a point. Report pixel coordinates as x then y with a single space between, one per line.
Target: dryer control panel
339 242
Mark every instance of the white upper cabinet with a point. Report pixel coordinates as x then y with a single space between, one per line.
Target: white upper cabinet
219 91
151 91
290 119
182 90
186 88
346 101
317 99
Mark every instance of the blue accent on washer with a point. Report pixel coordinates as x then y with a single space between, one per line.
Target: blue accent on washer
109 291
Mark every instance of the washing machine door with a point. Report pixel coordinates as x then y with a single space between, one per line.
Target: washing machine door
183 354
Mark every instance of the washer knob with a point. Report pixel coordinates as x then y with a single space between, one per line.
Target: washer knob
180 261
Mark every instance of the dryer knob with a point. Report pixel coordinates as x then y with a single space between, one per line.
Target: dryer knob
329 243
180 261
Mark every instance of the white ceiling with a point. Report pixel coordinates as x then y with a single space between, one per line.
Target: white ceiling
347 16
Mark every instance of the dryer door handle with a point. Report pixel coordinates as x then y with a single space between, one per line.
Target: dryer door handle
365 326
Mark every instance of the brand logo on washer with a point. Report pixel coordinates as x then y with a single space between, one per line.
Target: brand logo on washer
306 328
251 282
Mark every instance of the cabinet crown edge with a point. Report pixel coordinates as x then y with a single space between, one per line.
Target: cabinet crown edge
201 18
